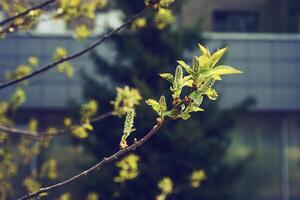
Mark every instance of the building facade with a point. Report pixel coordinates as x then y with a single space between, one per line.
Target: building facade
269 133
243 16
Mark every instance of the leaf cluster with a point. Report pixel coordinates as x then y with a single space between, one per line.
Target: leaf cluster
65 67
200 78
127 99
164 16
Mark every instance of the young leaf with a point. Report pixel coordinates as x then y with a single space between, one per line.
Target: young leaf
80 132
154 104
178 75
174 113
88 126
204 51
212 94
196 109
204 62
217 77
185 116
196 64
217 56
167 76
224 69
185 66
197 97
208 83
193 107
162 104
127 98
178 82
188 83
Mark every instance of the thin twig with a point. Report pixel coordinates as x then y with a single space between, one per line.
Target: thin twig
96 167
75 55
9 19
37 135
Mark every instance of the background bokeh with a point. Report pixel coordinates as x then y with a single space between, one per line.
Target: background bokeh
247 141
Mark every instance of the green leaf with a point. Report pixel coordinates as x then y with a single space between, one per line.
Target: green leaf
127 98
217 77
197 109
182 107
204 51
196 64
154 104
33 61
212 94
88 110
185 116
205 62
162 104
80 132
178 75
172 113
185 66
223 70
217 56
167 76
206 84
188 83
197 97
18 98
186 78
88 126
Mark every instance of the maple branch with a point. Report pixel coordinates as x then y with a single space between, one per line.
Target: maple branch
37 135
39 6
75 55
96 167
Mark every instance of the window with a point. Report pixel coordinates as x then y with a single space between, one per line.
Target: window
236 21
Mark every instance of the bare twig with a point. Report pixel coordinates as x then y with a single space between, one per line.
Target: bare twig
96 167
73 56
37 135
39 6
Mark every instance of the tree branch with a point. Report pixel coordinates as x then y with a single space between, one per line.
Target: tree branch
73 56
96 167
37 135
39 6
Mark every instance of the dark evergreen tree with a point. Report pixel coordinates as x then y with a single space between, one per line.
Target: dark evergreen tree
181 146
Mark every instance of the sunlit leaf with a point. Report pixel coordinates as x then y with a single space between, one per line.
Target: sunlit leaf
196 96
167 76
185 116
204 51
217 56
223 70
212 94
185 66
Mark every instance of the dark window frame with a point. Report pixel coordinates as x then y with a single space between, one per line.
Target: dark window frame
235 20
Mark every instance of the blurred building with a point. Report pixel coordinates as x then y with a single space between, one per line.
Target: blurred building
270 132
243 16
